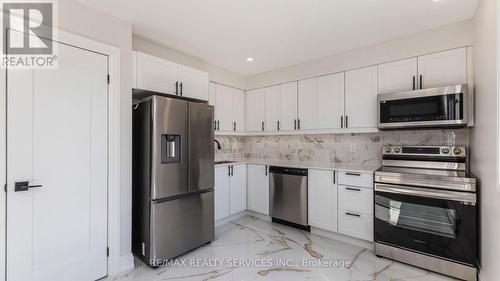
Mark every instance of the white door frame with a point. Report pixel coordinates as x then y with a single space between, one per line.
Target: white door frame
115 265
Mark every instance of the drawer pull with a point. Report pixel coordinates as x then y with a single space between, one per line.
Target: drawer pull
352 189
353 174
353 215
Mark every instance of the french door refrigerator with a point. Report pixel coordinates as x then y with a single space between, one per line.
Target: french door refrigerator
172 178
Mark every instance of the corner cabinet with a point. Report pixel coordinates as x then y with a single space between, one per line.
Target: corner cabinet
229 108
160 75
230 190
255 110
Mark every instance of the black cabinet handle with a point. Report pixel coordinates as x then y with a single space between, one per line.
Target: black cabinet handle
181 89
24 186
334 180
228 171
266 170
232 170
176 87
353 215
278 125
413 82
341 121
262 126
234 126
421 83
352 189
353 174
298 124
215 125
347 121
295 124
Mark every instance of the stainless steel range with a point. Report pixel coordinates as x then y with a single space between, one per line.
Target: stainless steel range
425 209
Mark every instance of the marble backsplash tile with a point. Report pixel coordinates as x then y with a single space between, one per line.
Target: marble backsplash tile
355 148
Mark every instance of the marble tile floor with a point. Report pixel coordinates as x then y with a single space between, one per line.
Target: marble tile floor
269 251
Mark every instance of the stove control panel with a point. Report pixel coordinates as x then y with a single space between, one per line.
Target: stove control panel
437 151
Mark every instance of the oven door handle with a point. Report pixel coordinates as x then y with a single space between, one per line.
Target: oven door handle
429 193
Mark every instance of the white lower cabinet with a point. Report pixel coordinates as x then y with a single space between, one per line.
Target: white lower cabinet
230 190
322 202
238 189
356 224
356 199
258 188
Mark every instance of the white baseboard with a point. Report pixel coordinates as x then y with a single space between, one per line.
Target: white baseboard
125 264
230 218
340 237
481 275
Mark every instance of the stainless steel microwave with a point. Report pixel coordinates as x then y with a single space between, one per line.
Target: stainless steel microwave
445 107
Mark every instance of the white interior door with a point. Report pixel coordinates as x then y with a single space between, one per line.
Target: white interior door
57 138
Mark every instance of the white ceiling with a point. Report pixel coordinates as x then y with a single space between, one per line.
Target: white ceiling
278 33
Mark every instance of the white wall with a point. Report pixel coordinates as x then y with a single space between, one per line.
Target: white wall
78 19
484 140
443 38
215 73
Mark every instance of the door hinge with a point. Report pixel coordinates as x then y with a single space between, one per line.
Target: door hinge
107 251
109 79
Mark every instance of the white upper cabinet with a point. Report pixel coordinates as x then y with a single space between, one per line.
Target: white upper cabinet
273 108
322 203
156 74
212 95
330 101
224 108
134 69
238 110
238 189
443 68
258 188
159 75
288 119
361 98
255 110
307 104
193 83
397 76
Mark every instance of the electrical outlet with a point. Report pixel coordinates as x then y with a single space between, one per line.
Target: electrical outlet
353 147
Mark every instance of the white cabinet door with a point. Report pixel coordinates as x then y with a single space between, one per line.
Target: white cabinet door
443 68
258 188
397 76
307 104
322 205
355 224
361 98
193 83
224 106
221 190
238 189
212 101
273 108
238 110
255 108
330 101
156 74
288 106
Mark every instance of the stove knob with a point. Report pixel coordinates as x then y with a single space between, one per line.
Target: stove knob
457 151
445 150
397 150
388 150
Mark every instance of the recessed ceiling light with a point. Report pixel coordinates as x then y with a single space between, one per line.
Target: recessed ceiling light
435 1
249 59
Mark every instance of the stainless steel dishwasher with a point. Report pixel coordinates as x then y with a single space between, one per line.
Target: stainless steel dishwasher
288 196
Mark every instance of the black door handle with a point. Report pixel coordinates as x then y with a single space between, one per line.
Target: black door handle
24 186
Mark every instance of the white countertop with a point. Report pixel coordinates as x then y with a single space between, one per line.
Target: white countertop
307 165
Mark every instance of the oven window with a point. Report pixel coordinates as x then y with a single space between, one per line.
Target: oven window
434 220
433 108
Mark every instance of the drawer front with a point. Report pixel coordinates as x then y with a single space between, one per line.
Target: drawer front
356 199
356 179
354 224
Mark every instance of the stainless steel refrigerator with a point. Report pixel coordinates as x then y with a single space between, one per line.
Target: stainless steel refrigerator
172 177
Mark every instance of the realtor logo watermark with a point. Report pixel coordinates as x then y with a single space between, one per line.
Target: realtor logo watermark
28 31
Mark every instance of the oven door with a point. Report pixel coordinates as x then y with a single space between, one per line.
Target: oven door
423 111
436 222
